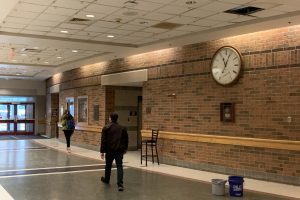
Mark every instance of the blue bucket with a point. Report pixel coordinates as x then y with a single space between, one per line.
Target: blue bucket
236 186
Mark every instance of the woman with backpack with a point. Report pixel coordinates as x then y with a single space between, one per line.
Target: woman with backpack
68 126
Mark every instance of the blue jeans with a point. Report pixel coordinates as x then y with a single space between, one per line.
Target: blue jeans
109 158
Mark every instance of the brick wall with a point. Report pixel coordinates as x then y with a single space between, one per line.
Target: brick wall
266 94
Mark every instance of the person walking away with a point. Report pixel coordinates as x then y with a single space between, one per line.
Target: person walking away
68 126
114 144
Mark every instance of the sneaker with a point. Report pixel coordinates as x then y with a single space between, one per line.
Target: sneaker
104 180
121 188
69 150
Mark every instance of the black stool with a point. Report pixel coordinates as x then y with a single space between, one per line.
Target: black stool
152 143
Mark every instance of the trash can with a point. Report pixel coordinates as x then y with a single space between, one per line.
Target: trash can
218 186
236 186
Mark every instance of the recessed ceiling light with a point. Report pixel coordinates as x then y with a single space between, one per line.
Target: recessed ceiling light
59 57
18 74
110 36
63 31
46 62
90 16
74 51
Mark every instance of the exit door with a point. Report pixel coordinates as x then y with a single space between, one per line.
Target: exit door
16 119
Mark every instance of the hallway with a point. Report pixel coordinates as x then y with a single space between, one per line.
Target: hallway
41 169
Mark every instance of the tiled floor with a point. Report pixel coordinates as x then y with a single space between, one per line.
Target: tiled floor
42 170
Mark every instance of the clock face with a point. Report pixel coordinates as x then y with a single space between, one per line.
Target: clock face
226 65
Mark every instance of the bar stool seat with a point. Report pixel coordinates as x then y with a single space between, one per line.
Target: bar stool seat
153 144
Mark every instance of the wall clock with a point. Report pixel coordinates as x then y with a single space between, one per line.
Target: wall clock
226 65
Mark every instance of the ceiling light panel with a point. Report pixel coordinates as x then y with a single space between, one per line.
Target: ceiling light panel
82 14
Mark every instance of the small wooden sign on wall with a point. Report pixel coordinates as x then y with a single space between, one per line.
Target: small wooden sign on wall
227 112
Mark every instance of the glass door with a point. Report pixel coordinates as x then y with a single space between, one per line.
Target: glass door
16 118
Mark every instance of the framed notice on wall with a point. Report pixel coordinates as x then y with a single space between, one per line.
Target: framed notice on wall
82 104
227 112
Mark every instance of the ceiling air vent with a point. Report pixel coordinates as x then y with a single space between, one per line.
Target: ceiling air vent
166 25
31 50
244 10
80 21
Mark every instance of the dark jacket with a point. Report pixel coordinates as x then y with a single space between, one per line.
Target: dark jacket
114 138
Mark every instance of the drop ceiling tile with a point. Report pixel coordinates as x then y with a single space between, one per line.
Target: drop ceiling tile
82 15
38 28
222 24
264 5
24 14
199 13
87 33
130 27
155 30
205 23
141 34
129 13
176 10
55 34
71 4
240 2
51 17
119 19
38 22
18 20
191 28
81 37
13 25
172 33
268 13
115 3
160 1
195 5
181 20
118 31
143 22
223 17
30 7
243 19
95 8
95 29
218 6
72 26
158 16
129 38
105 24
147 6
70 31
39 2
286 8
60 11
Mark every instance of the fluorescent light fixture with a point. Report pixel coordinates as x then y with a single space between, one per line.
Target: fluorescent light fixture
46 62
59 57
110 36
63 31
74 51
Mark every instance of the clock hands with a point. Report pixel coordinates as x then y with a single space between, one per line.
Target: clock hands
225 63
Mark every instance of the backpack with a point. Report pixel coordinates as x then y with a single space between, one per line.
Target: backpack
70 124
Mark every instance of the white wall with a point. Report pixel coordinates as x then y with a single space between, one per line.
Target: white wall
22 87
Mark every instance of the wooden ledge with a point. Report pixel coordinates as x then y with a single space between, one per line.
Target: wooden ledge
241 141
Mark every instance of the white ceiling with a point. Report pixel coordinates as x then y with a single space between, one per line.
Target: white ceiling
32 45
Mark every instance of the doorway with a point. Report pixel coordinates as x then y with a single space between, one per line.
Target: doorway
17 118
